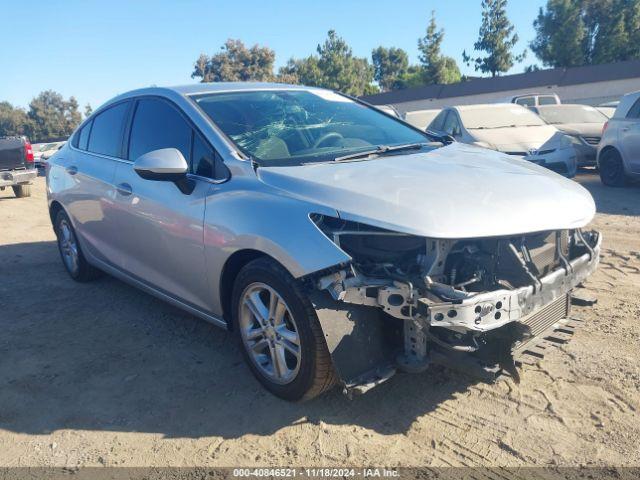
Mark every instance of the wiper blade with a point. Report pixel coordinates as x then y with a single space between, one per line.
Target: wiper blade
379 150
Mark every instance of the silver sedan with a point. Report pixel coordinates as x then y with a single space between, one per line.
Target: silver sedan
339 243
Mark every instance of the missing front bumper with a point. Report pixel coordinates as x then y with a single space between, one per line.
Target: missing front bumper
368 344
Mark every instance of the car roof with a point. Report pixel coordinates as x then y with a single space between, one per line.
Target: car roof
563 105
216 87
484 106
204 88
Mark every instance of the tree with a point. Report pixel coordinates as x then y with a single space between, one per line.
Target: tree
236 63
389 65
614 37
335 67
436 68
561 34
496 38
13 121
87 110
51 116
582 32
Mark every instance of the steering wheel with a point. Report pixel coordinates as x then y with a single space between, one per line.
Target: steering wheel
327 136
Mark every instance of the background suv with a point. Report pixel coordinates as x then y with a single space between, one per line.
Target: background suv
619 150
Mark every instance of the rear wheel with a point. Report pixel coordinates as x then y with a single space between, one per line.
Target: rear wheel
22 191
70 251
611 169
279 331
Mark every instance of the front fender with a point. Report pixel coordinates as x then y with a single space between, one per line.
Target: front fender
265 220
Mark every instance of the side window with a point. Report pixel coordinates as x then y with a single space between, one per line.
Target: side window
547 100
526 101
634 111
203 158
156 124
105 136
438 121
451 125
83 137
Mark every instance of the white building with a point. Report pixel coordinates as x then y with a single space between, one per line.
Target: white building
591 85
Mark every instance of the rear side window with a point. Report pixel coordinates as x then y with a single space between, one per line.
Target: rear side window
107 131
83 137
547 100
156 124
438 121
526 101
634 111
451 125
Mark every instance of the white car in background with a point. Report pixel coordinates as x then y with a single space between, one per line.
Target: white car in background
510 129
619 149
533 99
42 151
389 110
421 118
582 123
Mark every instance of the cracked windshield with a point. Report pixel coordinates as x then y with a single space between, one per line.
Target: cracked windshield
292 127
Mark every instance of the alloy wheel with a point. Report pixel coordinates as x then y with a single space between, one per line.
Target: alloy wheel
269 333
68 246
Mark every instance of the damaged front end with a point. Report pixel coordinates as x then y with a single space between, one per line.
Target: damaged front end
477 305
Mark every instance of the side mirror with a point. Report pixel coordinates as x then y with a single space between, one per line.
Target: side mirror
165 165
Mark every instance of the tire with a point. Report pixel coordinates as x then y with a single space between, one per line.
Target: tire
77 267
611 169
306 376
22 191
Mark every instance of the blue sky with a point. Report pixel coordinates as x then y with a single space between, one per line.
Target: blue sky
97 49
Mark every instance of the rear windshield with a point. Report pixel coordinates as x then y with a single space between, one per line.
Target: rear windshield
289 127
499 117
571 114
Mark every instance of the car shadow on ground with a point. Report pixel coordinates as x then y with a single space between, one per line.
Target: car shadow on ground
611 200
106 356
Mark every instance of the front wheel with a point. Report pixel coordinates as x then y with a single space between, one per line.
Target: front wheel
611 169
279 331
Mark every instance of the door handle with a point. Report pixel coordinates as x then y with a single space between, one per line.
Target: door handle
72 170
124 189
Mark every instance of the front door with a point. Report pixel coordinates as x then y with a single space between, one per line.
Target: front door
161 227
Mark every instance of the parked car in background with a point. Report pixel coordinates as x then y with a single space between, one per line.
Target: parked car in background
339 244
42 151
580 122
17 169
421 118
389 109
533 99
510 129
608 108
619 149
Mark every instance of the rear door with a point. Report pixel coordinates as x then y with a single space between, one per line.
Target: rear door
629 137
87 174
162 228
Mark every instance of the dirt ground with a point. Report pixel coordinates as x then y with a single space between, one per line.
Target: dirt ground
103 374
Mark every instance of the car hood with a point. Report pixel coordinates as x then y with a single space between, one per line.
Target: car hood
582 129
457 191
520 139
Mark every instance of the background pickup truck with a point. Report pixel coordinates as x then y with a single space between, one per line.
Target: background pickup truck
17 169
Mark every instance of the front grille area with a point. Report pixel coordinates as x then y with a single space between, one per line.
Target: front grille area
543 251
592 140
542 320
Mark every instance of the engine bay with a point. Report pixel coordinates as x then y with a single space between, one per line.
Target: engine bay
474 296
